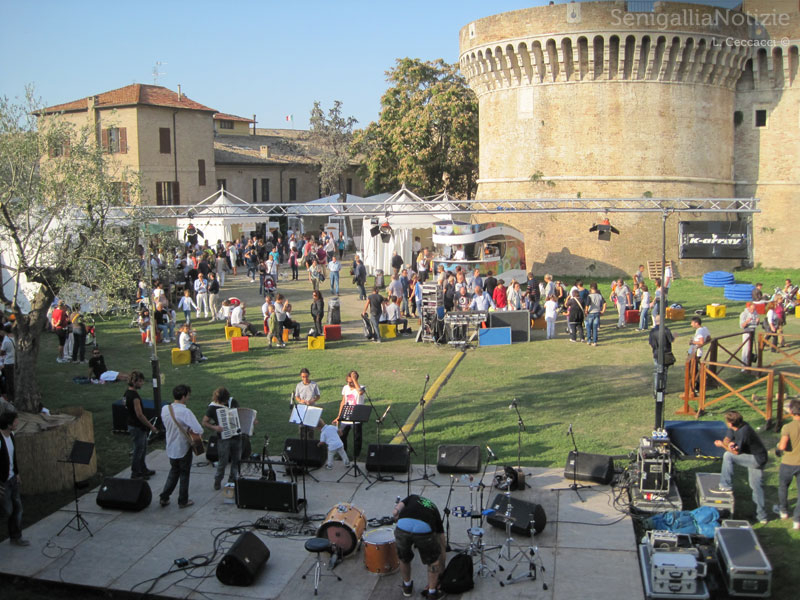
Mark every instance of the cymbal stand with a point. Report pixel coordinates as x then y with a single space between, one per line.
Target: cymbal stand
378 422
523 554
425 476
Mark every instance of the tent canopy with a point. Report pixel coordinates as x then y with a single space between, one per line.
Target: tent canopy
396 211
215 216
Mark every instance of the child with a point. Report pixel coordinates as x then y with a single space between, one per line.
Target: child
329 435
644 306
550 314
272 325
186 305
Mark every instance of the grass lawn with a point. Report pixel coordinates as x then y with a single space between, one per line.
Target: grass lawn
604 392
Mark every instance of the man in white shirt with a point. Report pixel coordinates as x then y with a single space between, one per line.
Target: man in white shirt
201 295
8 353
748 320
334 266
701 337
237 320
179 421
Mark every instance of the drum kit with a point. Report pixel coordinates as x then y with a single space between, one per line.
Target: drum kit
345 525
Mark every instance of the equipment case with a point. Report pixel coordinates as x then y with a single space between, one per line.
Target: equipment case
704 483
743 565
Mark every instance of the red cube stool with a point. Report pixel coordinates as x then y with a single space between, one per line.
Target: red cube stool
632 317
240 344
332 332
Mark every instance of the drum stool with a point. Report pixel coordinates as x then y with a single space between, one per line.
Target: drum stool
317 546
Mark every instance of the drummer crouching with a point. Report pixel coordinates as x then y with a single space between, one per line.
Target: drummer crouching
419 525
329 436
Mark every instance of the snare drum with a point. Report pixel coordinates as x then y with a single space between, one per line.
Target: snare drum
380 551
343 525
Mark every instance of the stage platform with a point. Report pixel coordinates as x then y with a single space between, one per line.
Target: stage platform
587 548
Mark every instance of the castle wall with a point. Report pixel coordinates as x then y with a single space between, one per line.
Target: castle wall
586 100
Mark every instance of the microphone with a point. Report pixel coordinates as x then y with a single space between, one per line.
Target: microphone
513 403
427 377
492 455
386 412
363 388
569 431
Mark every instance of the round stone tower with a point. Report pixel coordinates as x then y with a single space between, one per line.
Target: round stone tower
590 100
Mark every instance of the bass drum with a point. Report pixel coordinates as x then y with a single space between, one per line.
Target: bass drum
380 551
344 525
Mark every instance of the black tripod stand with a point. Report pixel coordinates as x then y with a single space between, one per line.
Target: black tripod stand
356 414
520 429
574 486
378 422
425 476
81 454
305 419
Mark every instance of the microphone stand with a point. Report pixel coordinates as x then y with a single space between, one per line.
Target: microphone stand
447 514
296 410
425 476
410 449
520 429
378 422
574 486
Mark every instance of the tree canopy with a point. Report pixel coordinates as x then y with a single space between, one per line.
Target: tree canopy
57 193
332 134
427 133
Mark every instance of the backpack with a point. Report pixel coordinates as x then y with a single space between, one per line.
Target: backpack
457 577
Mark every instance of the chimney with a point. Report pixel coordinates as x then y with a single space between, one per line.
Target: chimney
264 151
254 124
180 95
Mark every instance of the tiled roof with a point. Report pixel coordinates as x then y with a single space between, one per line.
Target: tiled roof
226 117
131 95
246 149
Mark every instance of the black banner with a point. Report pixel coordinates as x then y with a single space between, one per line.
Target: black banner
714 239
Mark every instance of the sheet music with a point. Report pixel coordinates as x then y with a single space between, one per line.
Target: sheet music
306 415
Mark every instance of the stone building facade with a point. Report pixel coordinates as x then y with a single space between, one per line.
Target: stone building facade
592 100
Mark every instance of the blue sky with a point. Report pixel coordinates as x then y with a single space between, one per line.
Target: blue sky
244 57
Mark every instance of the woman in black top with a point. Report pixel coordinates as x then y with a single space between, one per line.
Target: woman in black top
317 311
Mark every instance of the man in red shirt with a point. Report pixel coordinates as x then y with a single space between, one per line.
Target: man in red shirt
59 320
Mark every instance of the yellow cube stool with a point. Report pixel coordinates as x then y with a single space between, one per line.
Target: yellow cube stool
715 311
797 311
232 332
181 357
388 330
316 342
675 314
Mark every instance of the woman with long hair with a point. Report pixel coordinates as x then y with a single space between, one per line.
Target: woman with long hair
317 311
352 394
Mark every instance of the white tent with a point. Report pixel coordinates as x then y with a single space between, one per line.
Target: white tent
397 211
217 215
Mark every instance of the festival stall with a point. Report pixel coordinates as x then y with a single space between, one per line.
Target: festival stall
221 216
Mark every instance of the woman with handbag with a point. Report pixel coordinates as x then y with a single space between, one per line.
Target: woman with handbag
183 439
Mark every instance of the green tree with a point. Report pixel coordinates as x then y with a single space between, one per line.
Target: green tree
427 133
332 135
57 228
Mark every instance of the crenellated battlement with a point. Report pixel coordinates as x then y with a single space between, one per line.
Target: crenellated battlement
667 57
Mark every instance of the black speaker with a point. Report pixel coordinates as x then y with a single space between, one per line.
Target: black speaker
524 515
262 494
241 565
459 459
598 468
311 456
124 494
212 451
388 458
518 320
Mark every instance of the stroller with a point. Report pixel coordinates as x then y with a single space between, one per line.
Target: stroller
269 285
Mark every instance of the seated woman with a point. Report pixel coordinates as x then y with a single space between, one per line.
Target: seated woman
100 373
290 324
187 341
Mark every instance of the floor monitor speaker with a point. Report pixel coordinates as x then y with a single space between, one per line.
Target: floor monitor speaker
241 565
459 459
124 494
388 458
598 468
525 516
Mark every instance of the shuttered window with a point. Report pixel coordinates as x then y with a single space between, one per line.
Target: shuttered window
168 193
265 190
201 172
292 189
114 140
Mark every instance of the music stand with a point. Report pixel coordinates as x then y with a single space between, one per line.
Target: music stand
81 454
355 413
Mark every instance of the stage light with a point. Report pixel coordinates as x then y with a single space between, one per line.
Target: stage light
604 230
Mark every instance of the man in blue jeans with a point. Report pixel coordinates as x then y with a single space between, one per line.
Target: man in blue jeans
334 266
743 447
374 305
138 426
179 421
789 451
10 499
